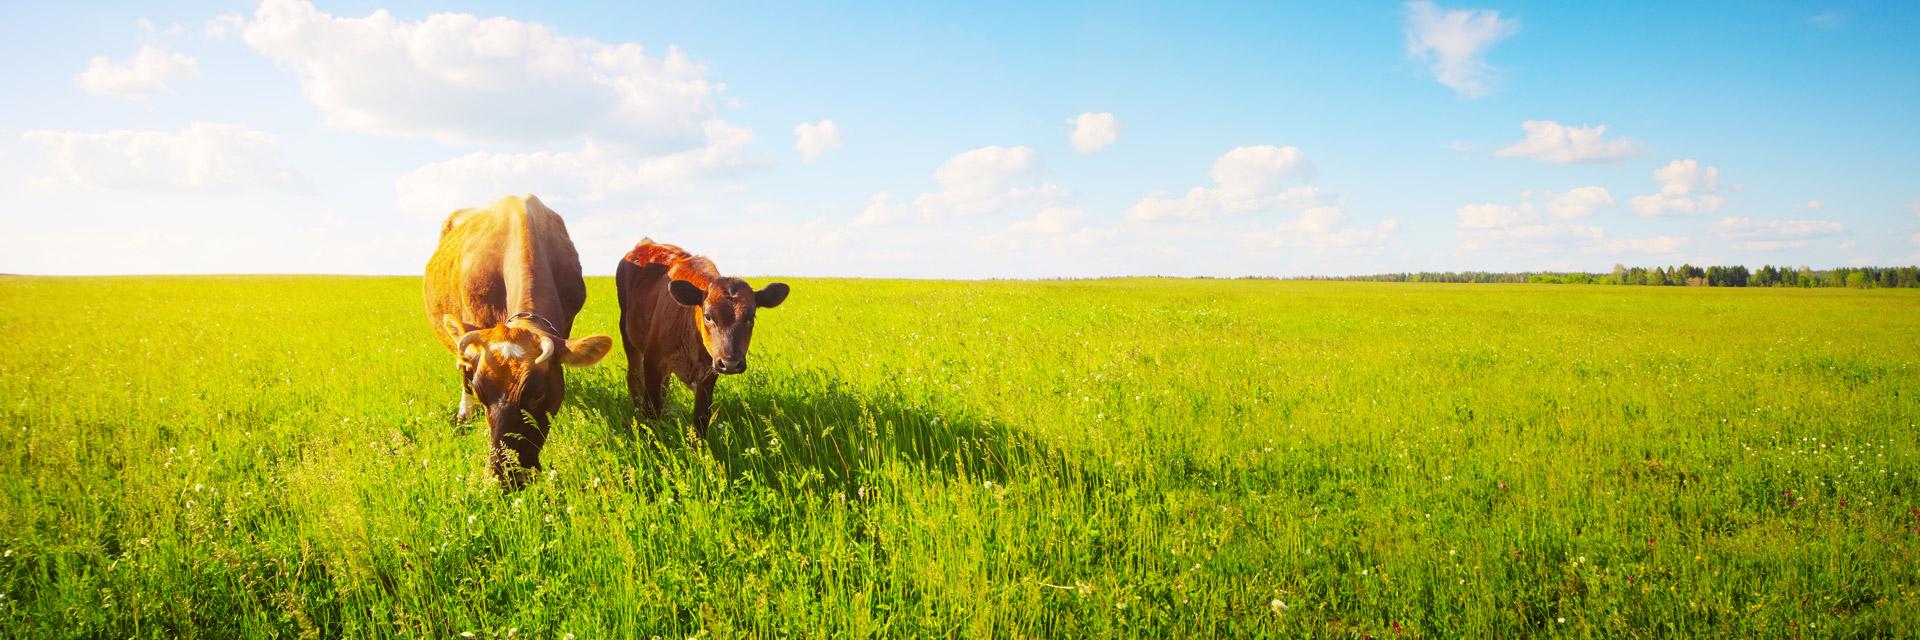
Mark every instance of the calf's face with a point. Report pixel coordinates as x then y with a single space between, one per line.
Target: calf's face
725 311
515 372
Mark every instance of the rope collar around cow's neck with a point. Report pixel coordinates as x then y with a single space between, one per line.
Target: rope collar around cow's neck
529 314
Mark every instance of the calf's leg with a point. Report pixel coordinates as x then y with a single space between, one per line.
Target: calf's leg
654 388
703 403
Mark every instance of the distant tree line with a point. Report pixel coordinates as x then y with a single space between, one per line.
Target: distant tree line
1685 275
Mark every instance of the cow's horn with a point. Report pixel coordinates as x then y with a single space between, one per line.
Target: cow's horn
467 340
546 350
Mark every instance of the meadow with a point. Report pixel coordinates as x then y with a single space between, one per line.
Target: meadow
273 457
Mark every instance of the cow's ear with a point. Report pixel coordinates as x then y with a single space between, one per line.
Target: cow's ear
586 352
687 293
771 296
454 327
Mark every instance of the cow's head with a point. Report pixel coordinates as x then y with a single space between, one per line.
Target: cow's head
515 371
724 311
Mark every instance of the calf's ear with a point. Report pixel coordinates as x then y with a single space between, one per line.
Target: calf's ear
454 327
771 296
687 293
586 352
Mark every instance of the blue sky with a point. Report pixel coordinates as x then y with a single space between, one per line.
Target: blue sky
1223 140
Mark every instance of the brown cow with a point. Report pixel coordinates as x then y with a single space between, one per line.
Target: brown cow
502 291
679 316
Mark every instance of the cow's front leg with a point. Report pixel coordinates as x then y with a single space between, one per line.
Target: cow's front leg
654 390
466 399
703 403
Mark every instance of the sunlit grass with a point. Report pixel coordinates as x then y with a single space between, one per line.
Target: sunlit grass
273 457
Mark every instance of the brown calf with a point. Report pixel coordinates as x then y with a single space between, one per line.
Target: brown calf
501 293
679 316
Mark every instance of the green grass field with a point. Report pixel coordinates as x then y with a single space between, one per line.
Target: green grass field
273 457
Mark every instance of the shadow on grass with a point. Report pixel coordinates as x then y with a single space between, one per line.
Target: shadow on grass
809 428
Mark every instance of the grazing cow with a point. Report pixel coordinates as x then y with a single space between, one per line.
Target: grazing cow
502 291
679 316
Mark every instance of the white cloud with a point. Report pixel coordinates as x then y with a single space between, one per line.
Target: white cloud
987 179
1914 207
1577 203
1549 141
1315 220
1495 216
1733 228
815 139
1849 245
205 157
1574 204
147 25
881 212
1250 179
461 79
1810 204
225 24
147 74
1093 132
1455 42
1686 189
572 176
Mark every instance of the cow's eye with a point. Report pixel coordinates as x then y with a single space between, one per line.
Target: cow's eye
709 318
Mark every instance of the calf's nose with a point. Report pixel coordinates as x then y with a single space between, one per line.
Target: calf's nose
730 366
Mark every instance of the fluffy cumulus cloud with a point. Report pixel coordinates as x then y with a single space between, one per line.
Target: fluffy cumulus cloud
1249 178
224 25
1093 132
1455 43
1573 204
462 79
574 176
815 139
989 179
1549 141
1773 235
882 211
1051 221
148 73
1686 189
1519 231
205 157
641 123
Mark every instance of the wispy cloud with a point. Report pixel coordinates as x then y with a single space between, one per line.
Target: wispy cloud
1456 43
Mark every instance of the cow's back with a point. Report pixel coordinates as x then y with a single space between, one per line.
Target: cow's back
512 253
